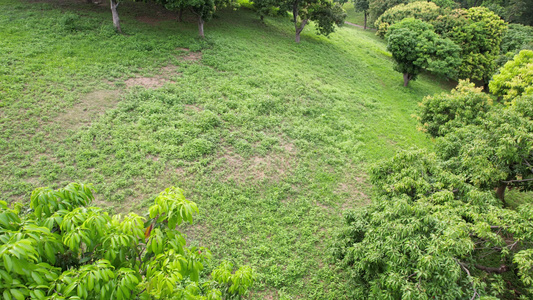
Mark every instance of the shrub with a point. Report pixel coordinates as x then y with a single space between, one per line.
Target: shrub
441 113
59 247
425 11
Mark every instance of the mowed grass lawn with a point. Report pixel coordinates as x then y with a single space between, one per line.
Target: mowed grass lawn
270 138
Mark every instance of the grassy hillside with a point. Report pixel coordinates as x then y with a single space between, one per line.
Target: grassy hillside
269 137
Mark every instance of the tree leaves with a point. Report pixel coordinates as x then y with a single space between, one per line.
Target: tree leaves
64 249
415 47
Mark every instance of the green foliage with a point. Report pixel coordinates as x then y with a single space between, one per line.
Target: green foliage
489 145
425 11
496 150
517 37
519 11
446 4
480 40
445 112
62 248
415 47
378 7
478 31
450 19
266 8
428 234
325 13
515 77
361 5
327 17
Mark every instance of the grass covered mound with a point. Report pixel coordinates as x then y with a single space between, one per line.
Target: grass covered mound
270 138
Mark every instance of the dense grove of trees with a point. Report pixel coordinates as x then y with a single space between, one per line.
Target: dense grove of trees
477 33
59 247
440 226
511 11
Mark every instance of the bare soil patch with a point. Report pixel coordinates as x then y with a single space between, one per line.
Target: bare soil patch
147 82
193 108
167 74
272 167
354 191
192 56
90 106
186 55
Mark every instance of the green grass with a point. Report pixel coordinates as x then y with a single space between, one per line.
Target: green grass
270 138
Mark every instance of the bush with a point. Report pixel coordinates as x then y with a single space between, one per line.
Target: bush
441 113
515 77
425 11
59 247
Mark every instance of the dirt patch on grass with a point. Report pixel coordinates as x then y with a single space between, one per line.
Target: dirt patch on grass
193 108
186 55
147 82
167 74
354 189
90 106
272 167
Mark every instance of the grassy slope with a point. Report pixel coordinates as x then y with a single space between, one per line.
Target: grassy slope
270 138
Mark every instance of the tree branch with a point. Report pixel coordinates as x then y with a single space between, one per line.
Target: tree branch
515 181
529 165
500 270
468 273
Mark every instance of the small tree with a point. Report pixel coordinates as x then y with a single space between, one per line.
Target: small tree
415 47
325 13
362 6
60 248
515 77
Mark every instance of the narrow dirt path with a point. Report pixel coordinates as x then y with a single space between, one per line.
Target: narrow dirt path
358 26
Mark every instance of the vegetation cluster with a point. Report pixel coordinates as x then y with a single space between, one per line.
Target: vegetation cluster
440 225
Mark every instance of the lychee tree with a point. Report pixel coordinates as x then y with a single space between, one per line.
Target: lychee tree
59 247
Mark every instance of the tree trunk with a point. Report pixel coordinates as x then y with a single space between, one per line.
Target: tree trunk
406 78
262 17
297 28
116 19
366 14
500 192
201 26
180 15
486 86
